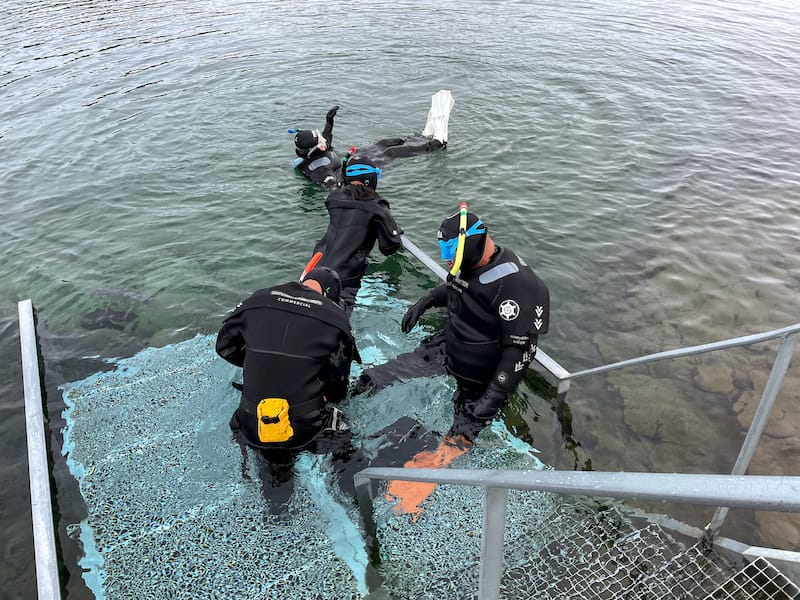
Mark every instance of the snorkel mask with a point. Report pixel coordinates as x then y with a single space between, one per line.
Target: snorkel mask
454 244
307 141
360 168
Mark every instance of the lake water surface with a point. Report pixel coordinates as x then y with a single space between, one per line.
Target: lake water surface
642 156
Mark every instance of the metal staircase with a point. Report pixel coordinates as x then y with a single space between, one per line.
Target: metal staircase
574 549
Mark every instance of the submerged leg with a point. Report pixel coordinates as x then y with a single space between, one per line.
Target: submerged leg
276 470
426 360
465 422
405 150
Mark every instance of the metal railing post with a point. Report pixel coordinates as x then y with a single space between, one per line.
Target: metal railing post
47 583
760 492
494 526
779 368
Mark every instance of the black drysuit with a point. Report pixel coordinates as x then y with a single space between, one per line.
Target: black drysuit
358 218
325 167
495 316
294 345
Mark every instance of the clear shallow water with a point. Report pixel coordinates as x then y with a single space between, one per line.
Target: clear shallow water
642 157
173 509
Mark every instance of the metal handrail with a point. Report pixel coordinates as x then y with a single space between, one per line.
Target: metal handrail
788 336
47 582
778 493
746 340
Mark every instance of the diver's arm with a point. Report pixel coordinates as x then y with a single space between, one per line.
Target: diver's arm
514 363
335 373
435 298
389 232
327 133
230 340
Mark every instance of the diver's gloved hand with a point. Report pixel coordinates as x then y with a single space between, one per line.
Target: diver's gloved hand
437 297
332 113
490 403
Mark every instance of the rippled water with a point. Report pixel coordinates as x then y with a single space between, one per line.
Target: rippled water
642 156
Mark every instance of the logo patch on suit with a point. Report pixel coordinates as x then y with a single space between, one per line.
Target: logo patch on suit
509 310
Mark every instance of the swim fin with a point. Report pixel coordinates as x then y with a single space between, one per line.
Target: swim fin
439 116
410 494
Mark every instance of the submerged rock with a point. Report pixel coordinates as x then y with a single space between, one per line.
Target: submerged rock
108 318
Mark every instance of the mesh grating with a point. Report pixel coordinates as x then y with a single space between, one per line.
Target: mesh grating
759 579
602 556
690 574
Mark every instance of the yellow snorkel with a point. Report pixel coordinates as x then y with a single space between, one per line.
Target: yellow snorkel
462 238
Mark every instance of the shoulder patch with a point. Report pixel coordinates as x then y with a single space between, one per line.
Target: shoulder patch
508 310
498 272
322 161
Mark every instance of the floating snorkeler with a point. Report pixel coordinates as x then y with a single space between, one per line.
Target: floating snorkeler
497 307
317 160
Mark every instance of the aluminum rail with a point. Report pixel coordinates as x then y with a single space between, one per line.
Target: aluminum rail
47 582
778 493
561 375
759 422
788 336
746 340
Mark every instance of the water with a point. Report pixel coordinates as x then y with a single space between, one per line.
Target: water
189 523
643 157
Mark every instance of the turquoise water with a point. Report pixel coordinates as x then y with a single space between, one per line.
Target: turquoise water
190 524
642 157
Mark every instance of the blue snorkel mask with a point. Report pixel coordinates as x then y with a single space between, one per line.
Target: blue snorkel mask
462 246
448 247
360 168
356 171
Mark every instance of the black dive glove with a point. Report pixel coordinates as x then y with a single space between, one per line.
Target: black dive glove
332 113
490 403
437 297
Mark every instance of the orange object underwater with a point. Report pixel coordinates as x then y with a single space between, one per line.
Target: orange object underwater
411 494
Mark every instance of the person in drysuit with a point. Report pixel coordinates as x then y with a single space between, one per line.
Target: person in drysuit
317 160
359 218
497 307
295 346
